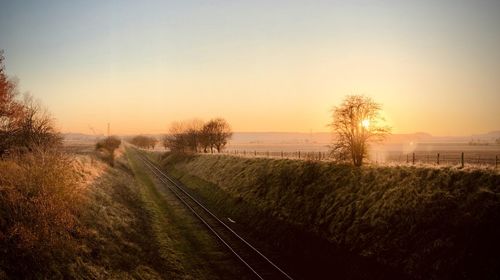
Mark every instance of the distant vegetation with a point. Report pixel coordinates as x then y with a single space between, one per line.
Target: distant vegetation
108 145
356 123
196 136
144 142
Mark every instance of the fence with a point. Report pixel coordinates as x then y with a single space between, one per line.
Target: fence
461 159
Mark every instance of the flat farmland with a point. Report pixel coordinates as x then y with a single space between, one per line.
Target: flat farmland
418 153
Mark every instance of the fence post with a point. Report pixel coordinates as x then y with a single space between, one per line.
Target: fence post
319 155
299 154
438 159
462 159
413 159
496 162
407 160
281 154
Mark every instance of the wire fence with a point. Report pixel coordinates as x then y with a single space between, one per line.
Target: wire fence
448 158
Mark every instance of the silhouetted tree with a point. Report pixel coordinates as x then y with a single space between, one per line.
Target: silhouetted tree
356 123
220 133
145 142
10 109
24 125
192 132
195 136
175 140
184 136
207 136
36 127
109 144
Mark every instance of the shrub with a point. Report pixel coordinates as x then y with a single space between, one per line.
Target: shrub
39 203
109 144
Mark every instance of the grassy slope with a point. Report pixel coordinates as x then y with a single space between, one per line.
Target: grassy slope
122 242
136 232
431 223
200 254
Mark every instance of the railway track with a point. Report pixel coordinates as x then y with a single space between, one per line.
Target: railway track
260 265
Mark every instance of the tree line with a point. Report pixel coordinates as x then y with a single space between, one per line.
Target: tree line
197 136
145 142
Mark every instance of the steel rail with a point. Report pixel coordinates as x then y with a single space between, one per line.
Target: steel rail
169 182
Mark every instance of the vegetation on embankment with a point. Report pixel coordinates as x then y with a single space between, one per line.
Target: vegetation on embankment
430 223
67 216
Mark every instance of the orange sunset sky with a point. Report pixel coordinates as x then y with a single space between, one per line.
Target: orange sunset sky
262 65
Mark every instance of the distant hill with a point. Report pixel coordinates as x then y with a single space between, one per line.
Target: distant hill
319 138
80 137
281 138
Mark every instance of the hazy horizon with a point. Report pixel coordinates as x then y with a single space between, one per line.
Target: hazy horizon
102 133
262 65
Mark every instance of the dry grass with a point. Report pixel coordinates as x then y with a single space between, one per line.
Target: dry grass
431 223
119 243
40 200
76 217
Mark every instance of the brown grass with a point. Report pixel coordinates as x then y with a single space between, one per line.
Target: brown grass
40 199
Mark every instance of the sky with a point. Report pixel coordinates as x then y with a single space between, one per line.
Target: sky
262 65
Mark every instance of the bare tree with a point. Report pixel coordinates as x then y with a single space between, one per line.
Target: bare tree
24 125
208 136
175 140
356 123
221 133
145 142
36 127
193 130
184 136
11 110
196 136
109 144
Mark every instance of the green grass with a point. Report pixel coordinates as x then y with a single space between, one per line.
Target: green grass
197 252
121 243
427 222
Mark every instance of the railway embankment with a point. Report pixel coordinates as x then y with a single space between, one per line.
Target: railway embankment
426 223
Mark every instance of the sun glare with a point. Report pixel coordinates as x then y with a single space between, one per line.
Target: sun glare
365 123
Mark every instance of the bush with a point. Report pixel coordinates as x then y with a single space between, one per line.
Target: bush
39 204
109 144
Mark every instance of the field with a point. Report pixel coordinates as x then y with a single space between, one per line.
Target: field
420 153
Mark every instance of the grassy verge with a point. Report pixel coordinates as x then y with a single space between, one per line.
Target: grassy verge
121 242
197 252
93 221
429 223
